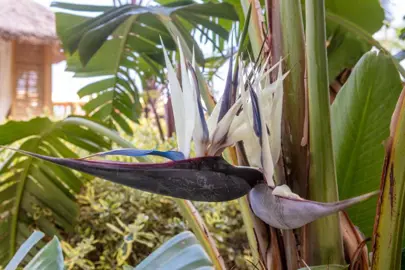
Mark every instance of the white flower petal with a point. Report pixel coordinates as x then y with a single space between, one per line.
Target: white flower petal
285 191
237 134
222 128
276 117
213 118
189 104
177 103
267 159
200 134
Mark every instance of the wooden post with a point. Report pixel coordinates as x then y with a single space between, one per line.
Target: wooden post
13 77
48 79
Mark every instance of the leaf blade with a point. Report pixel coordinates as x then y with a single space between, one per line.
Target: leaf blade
361 114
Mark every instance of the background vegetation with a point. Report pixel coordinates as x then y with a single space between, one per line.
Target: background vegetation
150 221
103 225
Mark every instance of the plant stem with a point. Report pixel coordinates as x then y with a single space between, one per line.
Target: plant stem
156 114
325 238
186 207
294 107
255 240
197 224
286 17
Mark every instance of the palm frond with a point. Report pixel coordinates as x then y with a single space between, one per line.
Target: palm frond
34 193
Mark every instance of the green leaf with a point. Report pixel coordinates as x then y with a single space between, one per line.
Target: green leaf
99 65
25 249
75 34
49 257
344 52
354 11
33 188
112 43
91 42
77 7
220 10
180 252
115 95
64 21
95 87
363 35
345 48
361 114
205 22
13 131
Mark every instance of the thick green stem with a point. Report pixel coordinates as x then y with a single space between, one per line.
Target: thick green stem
295 154
186 207
247 214
294 107
325 238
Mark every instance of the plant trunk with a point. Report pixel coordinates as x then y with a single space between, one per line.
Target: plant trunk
324 235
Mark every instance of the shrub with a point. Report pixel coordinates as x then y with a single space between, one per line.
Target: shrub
118 225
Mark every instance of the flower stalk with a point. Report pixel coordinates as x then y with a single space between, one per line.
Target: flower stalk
324 234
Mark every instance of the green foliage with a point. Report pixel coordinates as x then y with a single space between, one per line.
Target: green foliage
103 205
48 257
119 226
183 251
25 249
154 218
361 116
346 48
125 42
29 188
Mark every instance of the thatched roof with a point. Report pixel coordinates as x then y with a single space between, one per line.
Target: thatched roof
26 21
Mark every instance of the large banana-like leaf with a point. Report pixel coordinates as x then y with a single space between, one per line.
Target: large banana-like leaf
361 114
125 41
346 48
34 193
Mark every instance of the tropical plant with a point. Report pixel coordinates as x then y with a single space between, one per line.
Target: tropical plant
274 119
182 250
95 245
48 257
38 194
130 35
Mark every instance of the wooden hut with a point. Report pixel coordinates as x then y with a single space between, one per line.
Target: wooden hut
28 47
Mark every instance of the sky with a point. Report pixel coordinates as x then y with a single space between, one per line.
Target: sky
65 86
